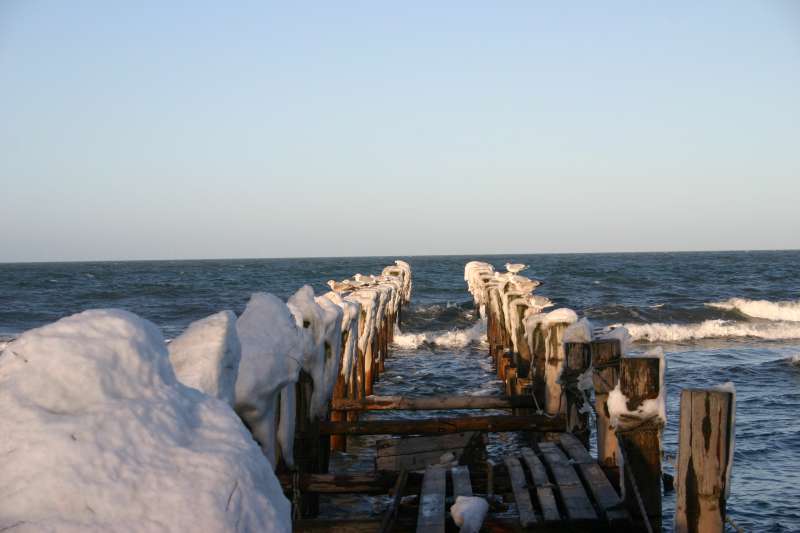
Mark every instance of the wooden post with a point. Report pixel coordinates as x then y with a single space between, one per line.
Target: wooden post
578 359
606 355
339 442
369 357
705 455
640 380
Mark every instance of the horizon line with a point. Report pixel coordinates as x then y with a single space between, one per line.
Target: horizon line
498 254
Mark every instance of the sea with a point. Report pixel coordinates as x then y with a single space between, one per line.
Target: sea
719 316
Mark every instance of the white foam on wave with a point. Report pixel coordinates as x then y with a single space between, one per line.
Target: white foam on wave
457 338
710 329
795 360
785 311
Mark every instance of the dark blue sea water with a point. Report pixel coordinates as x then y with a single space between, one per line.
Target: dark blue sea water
663 297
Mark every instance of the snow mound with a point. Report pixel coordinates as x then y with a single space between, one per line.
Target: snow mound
97 434
206 356
468 513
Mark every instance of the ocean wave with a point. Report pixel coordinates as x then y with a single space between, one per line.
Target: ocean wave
785 311
456 338
710 329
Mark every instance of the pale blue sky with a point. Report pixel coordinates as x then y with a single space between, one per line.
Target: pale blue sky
217 129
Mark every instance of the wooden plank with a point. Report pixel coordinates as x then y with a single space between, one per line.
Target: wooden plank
573 495
519 486
407 445
595 479
431 503
462 486
544 489
341 483
435 426
358 525
391 512
575 449
431 403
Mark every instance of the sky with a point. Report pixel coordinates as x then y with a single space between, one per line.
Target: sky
170 130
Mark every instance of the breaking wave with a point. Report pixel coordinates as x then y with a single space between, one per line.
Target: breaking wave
786 311
710 329
456 338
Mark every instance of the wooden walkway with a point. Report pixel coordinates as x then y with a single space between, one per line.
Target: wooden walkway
549 486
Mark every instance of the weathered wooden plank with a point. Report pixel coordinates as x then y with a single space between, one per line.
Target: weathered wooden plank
544 489
595 479
606 354
341 483
431 503
519 486
435 426
704 456
358 525
432 403
414 461
573 495
462 486
391 512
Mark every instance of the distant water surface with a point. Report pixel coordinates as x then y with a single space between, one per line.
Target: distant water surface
728 316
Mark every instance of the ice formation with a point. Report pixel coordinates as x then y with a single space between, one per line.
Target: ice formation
97 434
272 355
580 331
206 356
468 513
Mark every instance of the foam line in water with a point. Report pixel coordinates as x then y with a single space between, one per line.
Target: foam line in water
710 329
786 311
457 338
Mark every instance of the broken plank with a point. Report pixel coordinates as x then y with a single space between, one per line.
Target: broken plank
431 502
599 486
519 486
404 446
430 403
573 495
462 486
544 489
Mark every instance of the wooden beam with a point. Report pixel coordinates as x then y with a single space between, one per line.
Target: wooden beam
341 483
527 517
431 403
431 502
437 426
705 453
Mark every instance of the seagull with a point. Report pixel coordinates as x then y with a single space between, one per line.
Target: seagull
515 268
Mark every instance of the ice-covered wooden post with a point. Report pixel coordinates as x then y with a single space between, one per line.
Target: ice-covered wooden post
578 360
639 432
339 442
605 355
705 456
553 367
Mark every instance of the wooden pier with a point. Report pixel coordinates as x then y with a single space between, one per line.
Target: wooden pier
554 382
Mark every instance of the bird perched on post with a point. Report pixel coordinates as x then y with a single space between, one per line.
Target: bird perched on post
515 268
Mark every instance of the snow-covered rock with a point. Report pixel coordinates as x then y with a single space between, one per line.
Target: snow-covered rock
206 356
97 434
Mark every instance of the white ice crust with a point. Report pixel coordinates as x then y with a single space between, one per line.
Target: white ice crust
97 434
206 356
649 409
